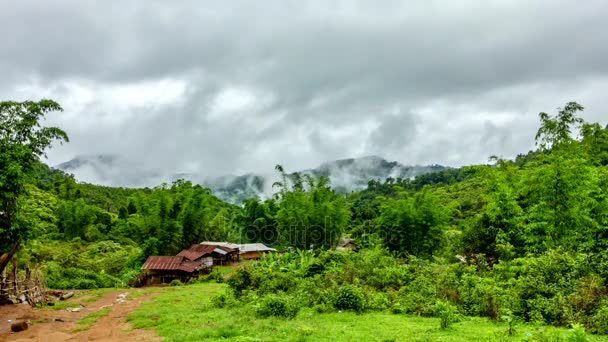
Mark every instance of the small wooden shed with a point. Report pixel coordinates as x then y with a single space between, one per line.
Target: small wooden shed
254 251
164 269
346 244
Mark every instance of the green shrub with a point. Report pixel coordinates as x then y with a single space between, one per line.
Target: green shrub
600 319
322 308
417 301
217 276
397 308
377 301
277 282
316 267
222 300
578 334
349 298
277 306
480 296
447 313
176 282
77 278
388 277
240 281
508 318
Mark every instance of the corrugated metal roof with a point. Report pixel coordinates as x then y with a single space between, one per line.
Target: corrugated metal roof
156 263
222 244
255 247
243 248
197 251
220 251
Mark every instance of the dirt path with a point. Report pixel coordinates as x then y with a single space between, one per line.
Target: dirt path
58 325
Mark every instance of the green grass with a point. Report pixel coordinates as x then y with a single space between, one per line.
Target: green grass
184 314
90 320
225 270
136 293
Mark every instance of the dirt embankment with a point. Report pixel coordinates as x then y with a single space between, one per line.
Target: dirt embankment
59 325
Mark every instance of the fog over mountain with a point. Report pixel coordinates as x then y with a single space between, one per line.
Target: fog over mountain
345 175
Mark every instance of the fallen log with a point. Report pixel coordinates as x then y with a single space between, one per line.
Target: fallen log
67 295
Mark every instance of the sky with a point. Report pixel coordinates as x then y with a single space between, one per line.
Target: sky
230 87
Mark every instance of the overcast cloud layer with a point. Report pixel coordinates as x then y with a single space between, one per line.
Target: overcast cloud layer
215 88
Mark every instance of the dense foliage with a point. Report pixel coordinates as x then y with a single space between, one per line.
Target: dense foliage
22 142
524 238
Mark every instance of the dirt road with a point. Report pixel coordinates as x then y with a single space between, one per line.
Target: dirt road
59 325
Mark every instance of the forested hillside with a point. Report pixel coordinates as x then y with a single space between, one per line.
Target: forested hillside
528 236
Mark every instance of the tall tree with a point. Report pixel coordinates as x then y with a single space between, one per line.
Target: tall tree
22 142
412 224
556 131
312 216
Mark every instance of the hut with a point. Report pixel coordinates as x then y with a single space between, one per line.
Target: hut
247 251
205 255
254 251
164 269
346 244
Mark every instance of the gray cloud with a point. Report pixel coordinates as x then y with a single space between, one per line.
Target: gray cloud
220 88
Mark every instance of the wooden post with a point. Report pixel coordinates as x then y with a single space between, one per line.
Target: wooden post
3 279
16 288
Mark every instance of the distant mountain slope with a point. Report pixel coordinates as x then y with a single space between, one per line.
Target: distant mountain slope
345 175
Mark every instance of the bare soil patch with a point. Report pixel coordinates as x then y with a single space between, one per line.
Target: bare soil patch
58 325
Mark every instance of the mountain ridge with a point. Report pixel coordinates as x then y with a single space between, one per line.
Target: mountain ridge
345 175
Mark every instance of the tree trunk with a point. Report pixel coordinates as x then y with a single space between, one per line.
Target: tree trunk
5 258
15 285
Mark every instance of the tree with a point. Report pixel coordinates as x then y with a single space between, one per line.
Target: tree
312 216
412 224
555 131
22 143
258 222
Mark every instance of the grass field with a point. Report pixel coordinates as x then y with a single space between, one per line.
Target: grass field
185 314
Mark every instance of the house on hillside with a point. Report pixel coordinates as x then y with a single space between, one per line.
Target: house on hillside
164 269
254 251
346 244
247 251
209 255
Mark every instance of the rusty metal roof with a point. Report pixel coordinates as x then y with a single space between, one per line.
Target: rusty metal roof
197 251
167 263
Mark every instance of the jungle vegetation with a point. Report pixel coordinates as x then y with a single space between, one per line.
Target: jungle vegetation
524 238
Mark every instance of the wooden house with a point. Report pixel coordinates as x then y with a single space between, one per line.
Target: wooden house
247 251
254 251
202 255
164 269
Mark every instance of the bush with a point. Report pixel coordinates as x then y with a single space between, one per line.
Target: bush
377 301
447 313
176 282
480 296
322 308
222 300
76 278
217 276
349 298
240 281
277 306
600 320
578 334
278 282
